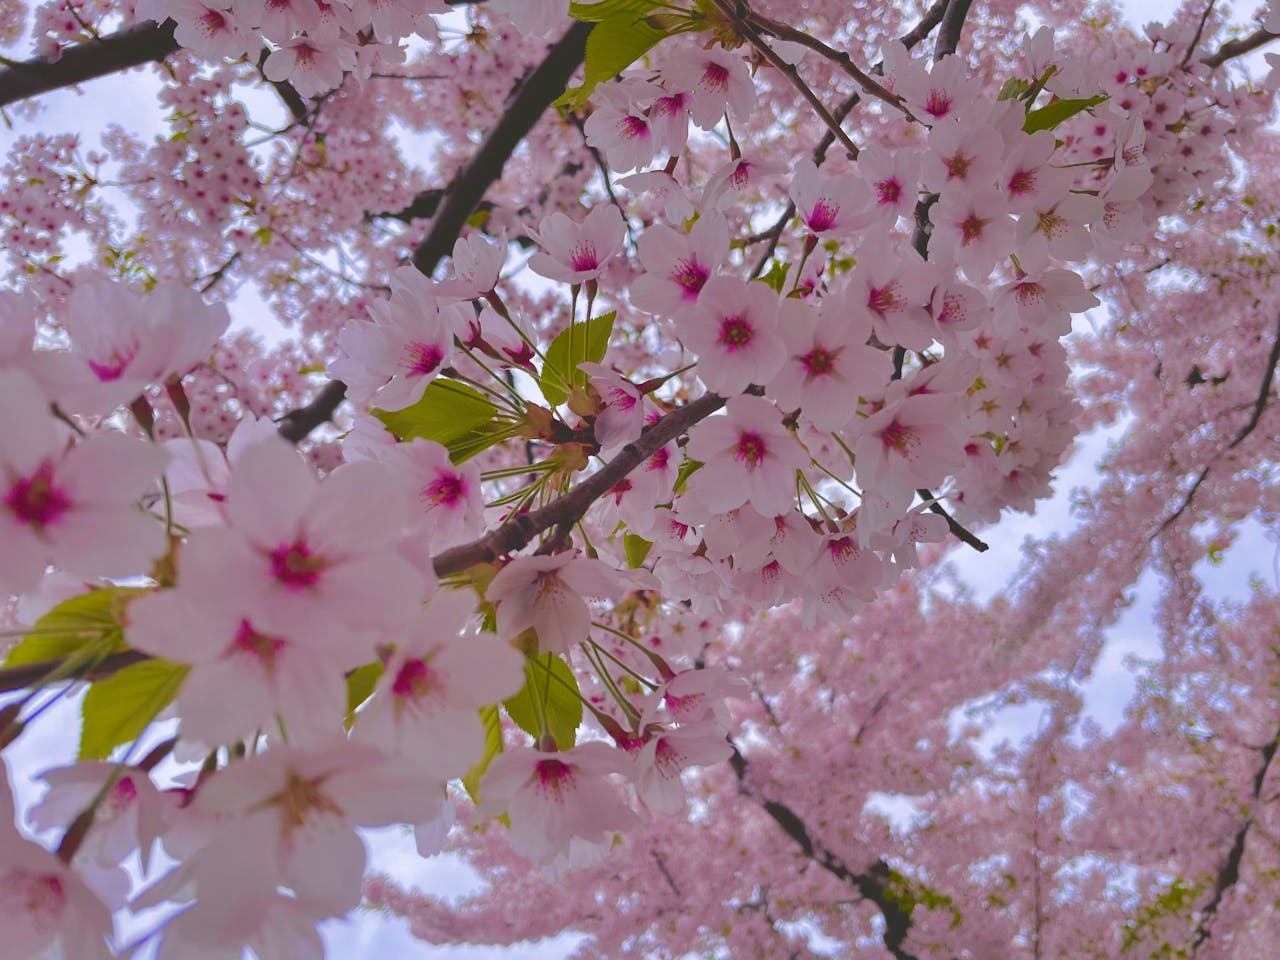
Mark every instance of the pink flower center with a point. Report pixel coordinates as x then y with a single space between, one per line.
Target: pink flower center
938 104
634 128
422 359
823 215
971 228
819 362
35 501
38 897
842 549
735 332
446 489
584 258
211 22
750 449
118 799
888 191
666 758
114 366
715 77
554 776
898 438
294 565
668 106
883 299
1022 181
957 166
690 276
741 175
415 679
261 646
620 490
659 461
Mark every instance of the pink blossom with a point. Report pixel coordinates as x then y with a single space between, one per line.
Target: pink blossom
678 265
716 80
75 506
748 456
735 331
830 204
389 361
554 798
546 593
575 252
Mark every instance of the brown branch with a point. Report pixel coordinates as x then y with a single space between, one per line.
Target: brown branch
950 29
132 47
1229 872
529 99
957 530
19 678
295 426
1238 48
872 883
1195 40
1264 395
520 530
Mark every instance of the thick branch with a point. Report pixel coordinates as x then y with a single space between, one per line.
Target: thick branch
145 43
525 106
950 28
872 883
1229 872
1264 395
295 426
1238 48
520 530
19 678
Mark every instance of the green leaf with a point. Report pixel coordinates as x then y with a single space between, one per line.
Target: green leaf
603 9
614 43
688 467
637 548
92 621
548 678
560 373
449 412
116 710
777 276
360 684
492 721
1013 88
1052 115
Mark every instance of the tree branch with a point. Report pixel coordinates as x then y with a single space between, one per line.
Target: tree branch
872 883
295 426
1238 48
19 678
950 29
520 530
526 104
132 47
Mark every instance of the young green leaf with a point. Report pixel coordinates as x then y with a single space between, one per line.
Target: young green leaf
116 710
615 43
637 549
449 413
492 721
1052 115
90 620
581 343
548 680
360 684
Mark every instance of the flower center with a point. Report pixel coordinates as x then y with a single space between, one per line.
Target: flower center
554 776
883 299
584 258
422 359
1023 181
819 362
971 228
260 645
898 438
35 501
690 276
750 449
888 191
735 332
415 679
823 215
38 896
114 366
446 489
715 77
294 565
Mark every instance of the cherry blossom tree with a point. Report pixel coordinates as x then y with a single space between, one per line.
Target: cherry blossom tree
647 370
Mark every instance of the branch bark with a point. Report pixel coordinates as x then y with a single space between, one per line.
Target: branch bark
526 104
132 47
1238 48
